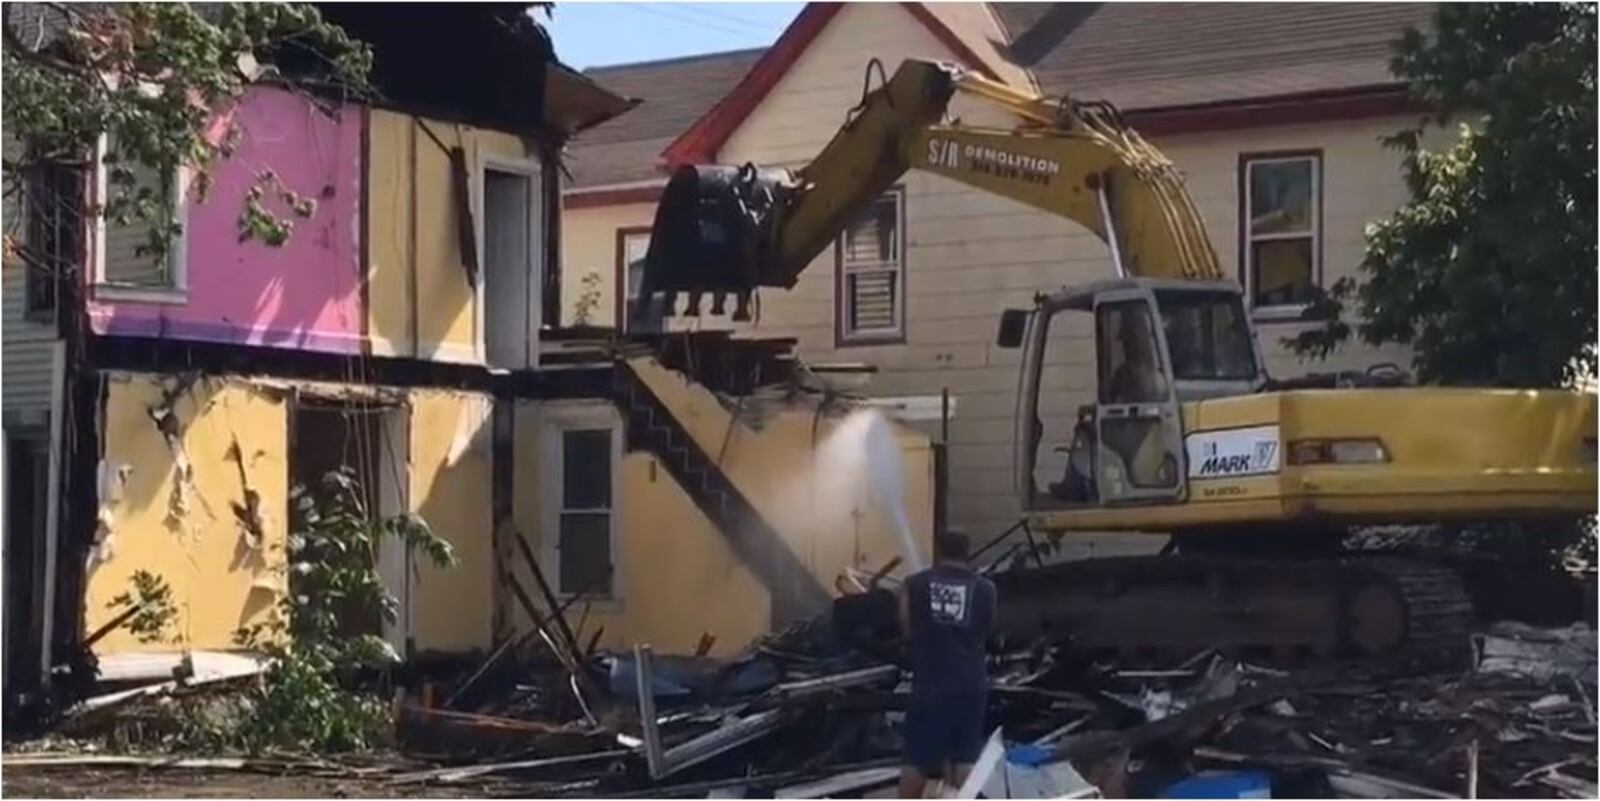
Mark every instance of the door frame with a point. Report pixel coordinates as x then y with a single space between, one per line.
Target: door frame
554 418
1167 410
530 169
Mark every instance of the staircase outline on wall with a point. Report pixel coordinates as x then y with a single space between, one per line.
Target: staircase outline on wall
651 426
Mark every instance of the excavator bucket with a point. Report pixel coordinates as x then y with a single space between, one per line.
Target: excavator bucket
710 236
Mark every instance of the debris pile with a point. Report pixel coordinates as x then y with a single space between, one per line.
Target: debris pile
817 711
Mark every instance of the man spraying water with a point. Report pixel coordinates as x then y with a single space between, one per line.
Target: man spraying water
948 610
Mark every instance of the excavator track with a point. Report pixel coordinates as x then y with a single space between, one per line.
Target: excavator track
1284 610
1438 611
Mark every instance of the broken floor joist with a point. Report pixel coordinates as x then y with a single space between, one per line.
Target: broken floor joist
721 740
445 731
664 762
159 762
521 767
837 681
98 704
849 784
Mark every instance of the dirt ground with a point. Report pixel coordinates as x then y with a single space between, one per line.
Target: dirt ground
79 782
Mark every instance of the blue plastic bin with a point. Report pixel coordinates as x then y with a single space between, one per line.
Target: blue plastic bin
1238 784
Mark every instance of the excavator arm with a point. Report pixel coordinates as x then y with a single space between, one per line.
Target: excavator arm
728 230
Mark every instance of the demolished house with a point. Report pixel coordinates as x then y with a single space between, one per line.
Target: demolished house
408 331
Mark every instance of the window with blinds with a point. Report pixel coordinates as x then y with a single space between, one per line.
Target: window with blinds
871 289
127 260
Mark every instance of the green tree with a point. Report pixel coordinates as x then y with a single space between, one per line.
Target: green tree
151 77
1488 270
324 632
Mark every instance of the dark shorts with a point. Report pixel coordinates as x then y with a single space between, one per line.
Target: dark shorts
944 729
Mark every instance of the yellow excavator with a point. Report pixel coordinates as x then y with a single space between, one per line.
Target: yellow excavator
1255 480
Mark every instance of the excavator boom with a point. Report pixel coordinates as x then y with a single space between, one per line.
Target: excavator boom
728 230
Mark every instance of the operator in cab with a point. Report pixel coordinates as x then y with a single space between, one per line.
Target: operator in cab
1137 379
948 611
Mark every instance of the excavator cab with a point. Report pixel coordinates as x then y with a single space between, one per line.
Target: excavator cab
1156 344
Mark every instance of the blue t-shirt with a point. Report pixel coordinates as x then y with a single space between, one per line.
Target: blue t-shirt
951 610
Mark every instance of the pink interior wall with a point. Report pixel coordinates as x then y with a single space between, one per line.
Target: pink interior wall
305 294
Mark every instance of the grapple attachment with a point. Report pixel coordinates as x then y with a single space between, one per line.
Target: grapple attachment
711 234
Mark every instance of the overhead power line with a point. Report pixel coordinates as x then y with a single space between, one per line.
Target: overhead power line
664 14
710 10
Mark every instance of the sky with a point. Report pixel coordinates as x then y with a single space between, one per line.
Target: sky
598 34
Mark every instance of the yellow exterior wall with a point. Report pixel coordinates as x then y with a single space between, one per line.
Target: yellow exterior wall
589 245
677 577
414 255
389 284
453 609
775 467
219 583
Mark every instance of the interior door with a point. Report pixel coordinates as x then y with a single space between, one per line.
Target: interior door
1137 420
509 274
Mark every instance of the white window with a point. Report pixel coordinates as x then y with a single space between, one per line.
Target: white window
870 290
583 448
1282 247
632 245
126 267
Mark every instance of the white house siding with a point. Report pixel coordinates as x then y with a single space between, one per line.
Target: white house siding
25 351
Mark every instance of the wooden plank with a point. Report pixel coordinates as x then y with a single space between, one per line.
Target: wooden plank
528 606
1198 716
463 773
550 599
655 757
446 731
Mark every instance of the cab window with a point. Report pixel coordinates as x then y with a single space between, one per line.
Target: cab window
1208 336
1129 355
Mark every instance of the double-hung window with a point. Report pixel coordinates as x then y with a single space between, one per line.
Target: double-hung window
1282 231
582 451
140 207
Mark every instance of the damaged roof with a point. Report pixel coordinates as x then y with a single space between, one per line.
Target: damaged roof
674 93
508 78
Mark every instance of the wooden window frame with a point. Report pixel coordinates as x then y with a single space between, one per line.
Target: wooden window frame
842 337
41 288
1289 312
621 273
557 417
177 291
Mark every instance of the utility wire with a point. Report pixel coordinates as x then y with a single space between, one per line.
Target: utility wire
706 10
686 20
